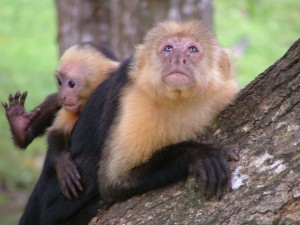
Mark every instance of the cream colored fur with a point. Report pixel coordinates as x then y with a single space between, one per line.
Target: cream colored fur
153 116
64 121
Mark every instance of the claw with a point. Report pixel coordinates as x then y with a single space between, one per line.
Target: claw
10 97
231 154
18 94
4 104
23 98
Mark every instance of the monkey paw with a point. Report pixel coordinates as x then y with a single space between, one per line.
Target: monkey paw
19 120
211 167
68 175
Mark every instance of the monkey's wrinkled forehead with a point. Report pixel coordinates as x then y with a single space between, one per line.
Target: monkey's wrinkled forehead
169 28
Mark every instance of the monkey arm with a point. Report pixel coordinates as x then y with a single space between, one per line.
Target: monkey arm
26 126
66 170
48 109
173 163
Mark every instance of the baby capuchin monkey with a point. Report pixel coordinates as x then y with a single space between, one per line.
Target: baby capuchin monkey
81 69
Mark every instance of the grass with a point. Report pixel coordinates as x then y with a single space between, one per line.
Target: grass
29 56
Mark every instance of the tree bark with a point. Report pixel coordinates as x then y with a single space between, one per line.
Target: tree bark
122 24
263 125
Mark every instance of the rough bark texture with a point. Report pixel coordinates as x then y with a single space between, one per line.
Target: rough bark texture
264 126
122 24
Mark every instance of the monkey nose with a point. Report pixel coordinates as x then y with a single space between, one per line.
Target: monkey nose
62 99
178 60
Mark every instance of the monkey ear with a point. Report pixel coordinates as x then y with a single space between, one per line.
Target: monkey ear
225 64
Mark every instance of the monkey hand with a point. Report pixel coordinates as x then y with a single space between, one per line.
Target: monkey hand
19 120
68 175
211 167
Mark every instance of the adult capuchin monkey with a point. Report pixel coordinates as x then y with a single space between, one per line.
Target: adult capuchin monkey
137 131
81 69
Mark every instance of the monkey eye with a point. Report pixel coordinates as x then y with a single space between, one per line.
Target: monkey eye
193 49
59 82
168 48
72 83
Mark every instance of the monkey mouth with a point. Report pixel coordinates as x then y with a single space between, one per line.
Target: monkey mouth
177 79
71 107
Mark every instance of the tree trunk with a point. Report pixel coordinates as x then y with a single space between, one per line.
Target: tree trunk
263 125
121 24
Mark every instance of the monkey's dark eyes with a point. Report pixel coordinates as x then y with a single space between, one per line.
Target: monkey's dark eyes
193 49
72 84
59 82
168 48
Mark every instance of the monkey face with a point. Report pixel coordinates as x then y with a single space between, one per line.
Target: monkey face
181 62
69 88
179 57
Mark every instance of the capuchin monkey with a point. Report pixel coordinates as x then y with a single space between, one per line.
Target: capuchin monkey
81 69
138 130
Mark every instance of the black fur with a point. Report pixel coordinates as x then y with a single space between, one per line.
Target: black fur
166 166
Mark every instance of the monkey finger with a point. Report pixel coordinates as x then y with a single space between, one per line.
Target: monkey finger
201 176
77 183
73 170
11 99
74 192
23 98
67 194
76 173
65 190
226 169
5 106
71 188
231 154
221 177
17 97
212 179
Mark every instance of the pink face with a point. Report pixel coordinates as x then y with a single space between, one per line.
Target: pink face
69 87
180 56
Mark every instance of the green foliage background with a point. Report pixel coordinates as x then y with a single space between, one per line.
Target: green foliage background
29 56
27 62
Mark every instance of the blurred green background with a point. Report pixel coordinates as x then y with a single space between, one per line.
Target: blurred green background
258 31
